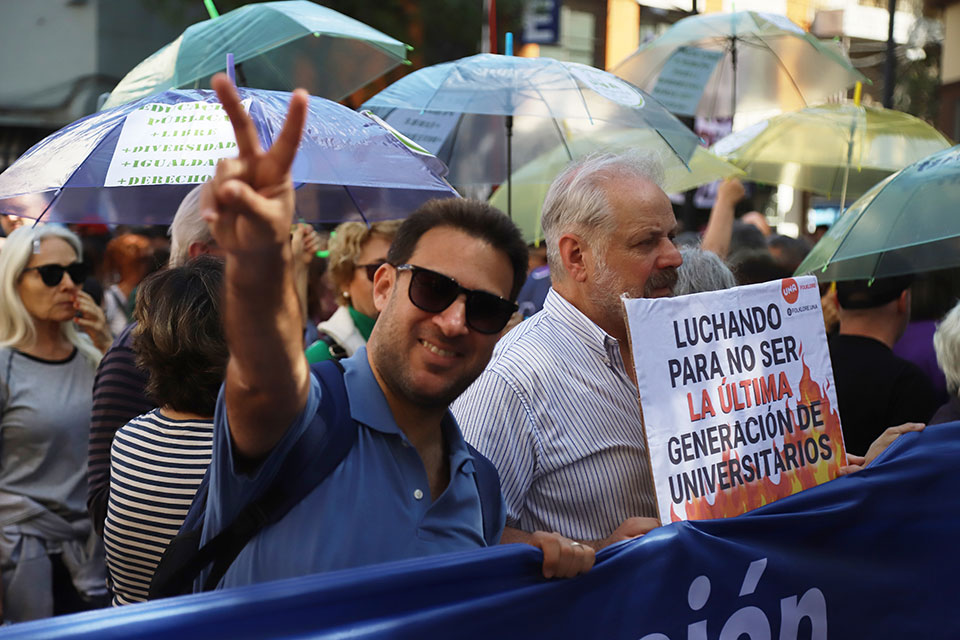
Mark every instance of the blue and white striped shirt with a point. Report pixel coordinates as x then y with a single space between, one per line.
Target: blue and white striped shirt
557 414
156 465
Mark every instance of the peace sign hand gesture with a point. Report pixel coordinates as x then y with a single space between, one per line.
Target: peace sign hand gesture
249 203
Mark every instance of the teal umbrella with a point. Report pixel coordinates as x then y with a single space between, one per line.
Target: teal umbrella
276 45
908 223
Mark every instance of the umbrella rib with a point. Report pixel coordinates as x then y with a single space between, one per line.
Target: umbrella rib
844 239
544 100
776 57
453 140
547 104
675 152
49 204
728 46
876 267
563 139
437 90
586 109
356 206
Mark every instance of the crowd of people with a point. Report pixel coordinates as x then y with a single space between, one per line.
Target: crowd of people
399 407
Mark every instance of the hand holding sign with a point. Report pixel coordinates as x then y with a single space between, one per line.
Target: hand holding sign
856 463
249 204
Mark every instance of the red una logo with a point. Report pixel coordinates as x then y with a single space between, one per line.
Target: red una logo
790 290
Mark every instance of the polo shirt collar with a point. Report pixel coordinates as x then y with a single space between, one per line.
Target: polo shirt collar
368 406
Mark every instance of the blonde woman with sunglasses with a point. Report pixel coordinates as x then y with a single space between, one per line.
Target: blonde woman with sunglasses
52 336
356 252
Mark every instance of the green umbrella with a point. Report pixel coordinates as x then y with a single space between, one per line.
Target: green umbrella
834 149
531 181
276 45
908 223
766 63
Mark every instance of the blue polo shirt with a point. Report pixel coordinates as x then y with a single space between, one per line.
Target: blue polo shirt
374 507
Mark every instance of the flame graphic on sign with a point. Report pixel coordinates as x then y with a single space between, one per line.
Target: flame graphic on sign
742 498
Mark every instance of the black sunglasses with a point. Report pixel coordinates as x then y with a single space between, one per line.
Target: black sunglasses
370 269
52 274
433 292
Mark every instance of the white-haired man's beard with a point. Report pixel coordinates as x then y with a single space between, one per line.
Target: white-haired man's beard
609 285
662 279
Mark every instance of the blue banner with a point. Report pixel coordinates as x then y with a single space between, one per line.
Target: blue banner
871 555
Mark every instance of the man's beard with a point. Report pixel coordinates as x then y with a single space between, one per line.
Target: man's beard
663 279
396 377
609 286
389 357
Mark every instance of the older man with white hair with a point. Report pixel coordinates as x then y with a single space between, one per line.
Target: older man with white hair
556 409
946 342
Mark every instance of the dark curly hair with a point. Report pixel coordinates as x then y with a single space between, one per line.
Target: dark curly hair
179 337
472 217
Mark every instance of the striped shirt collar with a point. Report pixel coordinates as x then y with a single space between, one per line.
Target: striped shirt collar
596 339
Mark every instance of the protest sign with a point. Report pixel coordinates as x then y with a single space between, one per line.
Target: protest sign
737 395
684 77
171 144
429 129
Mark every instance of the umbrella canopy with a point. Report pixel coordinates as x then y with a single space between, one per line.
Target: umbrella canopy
855 148
134 163
906 224
763 62
276 45
531 182
470 111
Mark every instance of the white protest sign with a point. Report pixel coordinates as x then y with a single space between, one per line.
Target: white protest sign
428 129
683 79
737 394
171 144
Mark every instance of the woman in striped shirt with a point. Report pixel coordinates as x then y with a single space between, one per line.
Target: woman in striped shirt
158 459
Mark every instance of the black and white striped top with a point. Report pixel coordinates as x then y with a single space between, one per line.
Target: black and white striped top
156 465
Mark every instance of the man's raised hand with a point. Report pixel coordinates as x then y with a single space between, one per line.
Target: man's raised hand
249 203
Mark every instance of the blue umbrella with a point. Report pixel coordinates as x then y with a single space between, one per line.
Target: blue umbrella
134 163
468 112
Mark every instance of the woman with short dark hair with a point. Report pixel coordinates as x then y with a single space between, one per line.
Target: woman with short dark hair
158 459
